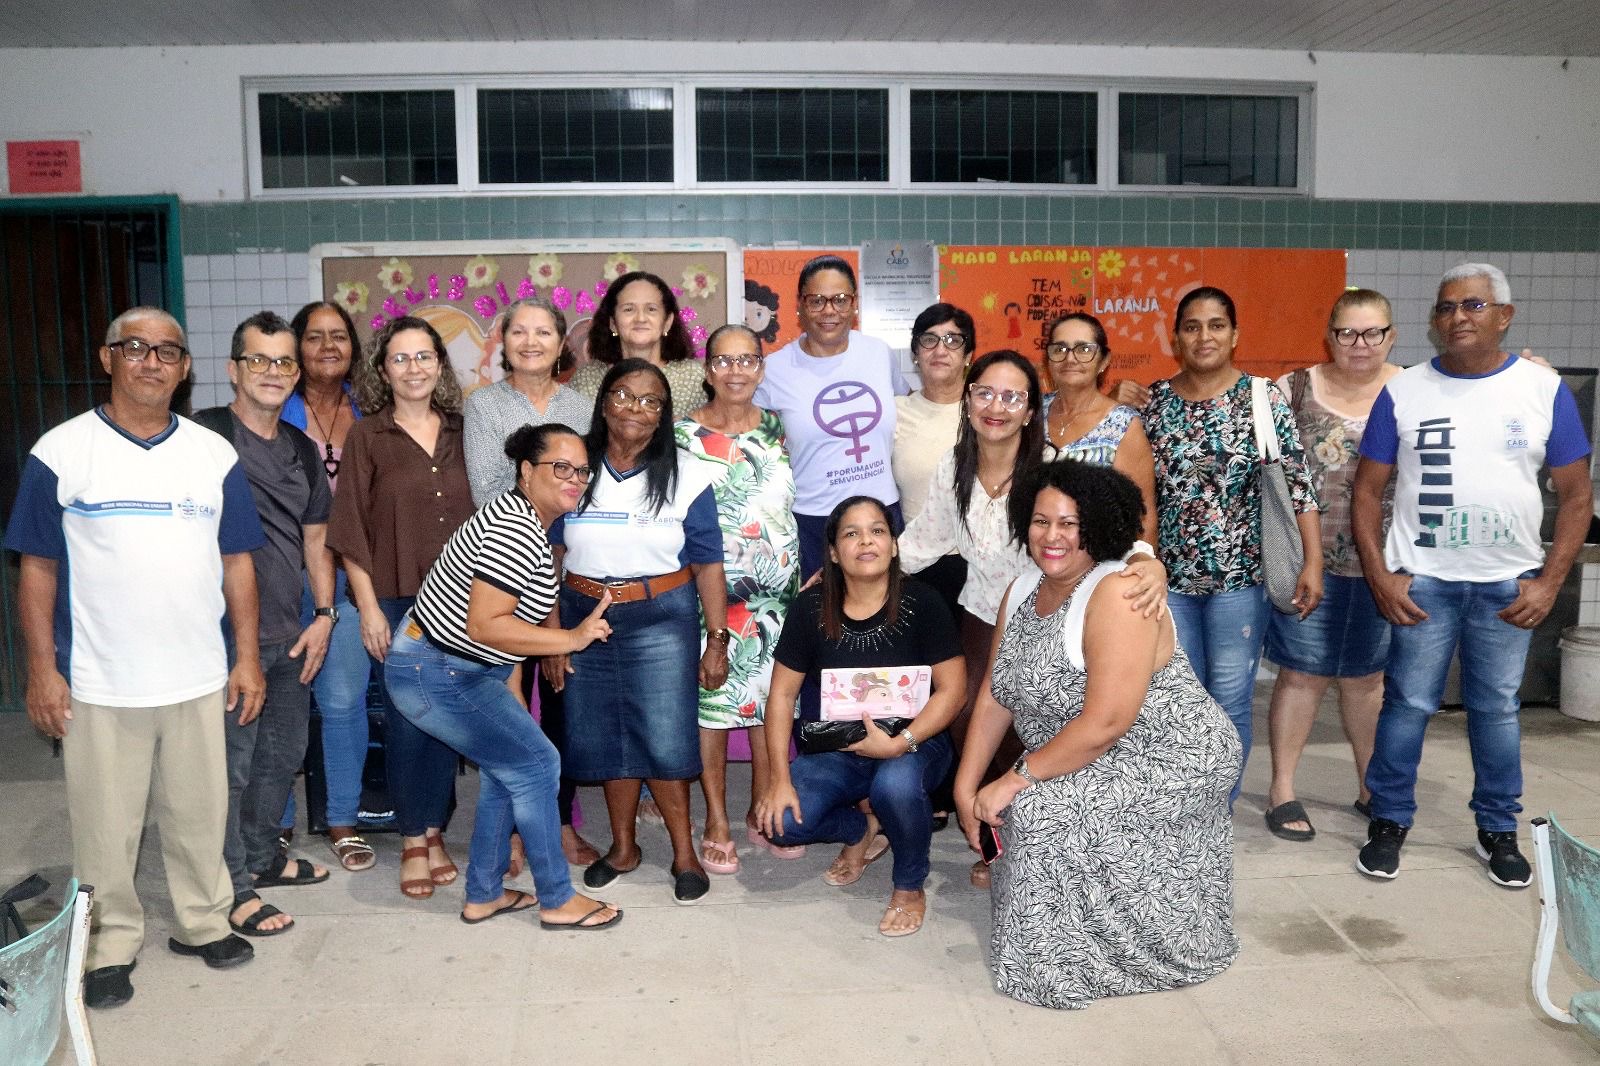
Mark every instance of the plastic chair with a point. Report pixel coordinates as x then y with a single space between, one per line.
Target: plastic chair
1569 898
41 977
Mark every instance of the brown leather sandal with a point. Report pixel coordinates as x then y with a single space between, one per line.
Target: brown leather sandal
416 887
446 874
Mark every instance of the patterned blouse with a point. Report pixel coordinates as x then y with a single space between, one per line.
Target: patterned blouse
1332 442
1207 480
984 540
1097 447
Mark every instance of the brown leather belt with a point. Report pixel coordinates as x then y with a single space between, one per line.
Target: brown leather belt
642 588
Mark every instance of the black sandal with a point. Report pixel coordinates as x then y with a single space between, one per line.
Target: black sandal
304 874
251 926
1279 817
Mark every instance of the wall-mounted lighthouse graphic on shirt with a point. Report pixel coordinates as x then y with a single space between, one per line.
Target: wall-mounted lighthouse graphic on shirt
1466 453
838 420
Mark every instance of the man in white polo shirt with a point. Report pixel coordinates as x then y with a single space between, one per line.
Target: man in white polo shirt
1463 565
135 529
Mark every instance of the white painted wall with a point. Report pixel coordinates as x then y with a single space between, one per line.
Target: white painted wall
1387 126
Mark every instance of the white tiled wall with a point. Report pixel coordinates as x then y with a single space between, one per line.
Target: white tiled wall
219 292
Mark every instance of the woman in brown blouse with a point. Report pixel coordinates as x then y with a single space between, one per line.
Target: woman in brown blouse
402 492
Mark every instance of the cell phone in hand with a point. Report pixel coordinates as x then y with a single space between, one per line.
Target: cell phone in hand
989 842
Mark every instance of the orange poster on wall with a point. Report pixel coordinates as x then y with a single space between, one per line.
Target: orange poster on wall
770 283
1282 295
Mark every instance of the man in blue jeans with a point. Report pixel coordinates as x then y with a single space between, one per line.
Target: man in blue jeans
1463 566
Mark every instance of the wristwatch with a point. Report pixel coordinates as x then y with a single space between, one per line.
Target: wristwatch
1021 768
718 635
330 613
911 740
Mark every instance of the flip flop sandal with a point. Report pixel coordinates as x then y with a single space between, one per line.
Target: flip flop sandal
1284 813
874 853
583 924
904 932
354 853
251 926
415 887
521 901
797 851
304 874
441 875
726 860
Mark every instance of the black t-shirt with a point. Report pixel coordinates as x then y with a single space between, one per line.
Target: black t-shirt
923 634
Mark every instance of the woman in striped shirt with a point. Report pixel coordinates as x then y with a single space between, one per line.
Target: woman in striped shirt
484 607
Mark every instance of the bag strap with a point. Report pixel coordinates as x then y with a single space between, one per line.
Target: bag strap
1299 382
1261 409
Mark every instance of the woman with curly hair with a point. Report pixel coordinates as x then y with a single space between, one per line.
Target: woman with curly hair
638 319
1115 868
403 491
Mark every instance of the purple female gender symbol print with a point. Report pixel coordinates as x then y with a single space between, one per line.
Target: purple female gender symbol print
848 410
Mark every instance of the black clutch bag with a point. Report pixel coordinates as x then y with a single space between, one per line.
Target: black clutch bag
814 738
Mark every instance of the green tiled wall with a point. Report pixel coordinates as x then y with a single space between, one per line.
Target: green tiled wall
814 219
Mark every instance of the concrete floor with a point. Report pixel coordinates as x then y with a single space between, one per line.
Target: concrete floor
776 967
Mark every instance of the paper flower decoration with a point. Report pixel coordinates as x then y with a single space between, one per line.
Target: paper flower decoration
620 264
688 314
1111 263
480 271
544 269
352 296
395 275
699 282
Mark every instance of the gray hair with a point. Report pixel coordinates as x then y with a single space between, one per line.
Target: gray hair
1499 288
133 314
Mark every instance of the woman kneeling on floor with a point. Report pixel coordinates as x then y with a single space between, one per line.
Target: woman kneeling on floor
868 641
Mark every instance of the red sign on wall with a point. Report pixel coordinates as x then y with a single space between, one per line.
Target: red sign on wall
44 166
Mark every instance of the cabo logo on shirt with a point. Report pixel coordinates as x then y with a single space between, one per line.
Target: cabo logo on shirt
1516 432
190 508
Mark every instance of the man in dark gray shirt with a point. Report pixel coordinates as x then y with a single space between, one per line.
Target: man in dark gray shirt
292 498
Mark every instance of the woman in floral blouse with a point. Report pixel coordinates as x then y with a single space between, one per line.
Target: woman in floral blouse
1346 639
1208 493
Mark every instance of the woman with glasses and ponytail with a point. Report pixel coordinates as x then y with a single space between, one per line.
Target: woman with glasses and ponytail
834 388
402 492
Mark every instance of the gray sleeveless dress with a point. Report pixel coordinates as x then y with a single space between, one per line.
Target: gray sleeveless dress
1118 878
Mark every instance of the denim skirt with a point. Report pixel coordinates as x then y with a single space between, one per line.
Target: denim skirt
1344 637
633 701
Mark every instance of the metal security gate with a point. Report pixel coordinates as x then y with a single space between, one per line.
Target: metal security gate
67 268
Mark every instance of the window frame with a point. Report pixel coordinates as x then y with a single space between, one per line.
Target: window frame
685 128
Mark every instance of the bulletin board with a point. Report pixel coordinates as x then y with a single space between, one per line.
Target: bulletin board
460 287
1282 296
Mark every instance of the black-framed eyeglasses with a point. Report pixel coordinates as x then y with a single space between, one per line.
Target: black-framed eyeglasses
1010 399
564 470
133 350
422 358
1446 308
815 302
1371 337
257 363
747 361
1079 351
624 400
931 340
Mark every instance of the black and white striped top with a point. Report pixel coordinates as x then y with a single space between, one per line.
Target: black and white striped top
503 544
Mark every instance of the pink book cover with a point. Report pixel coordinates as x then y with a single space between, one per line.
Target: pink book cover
890 692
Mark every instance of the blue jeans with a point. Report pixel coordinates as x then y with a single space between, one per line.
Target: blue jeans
1493 655
1221 633
421 769
468 707
831 784
341 691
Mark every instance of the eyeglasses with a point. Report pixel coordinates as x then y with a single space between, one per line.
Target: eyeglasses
1370 337
133 350
815 302
1446 308
1081 352
624 400
564 470
929 341
258 363
422 358
1010 399
723 363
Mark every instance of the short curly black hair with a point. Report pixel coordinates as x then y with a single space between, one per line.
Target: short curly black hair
1110 507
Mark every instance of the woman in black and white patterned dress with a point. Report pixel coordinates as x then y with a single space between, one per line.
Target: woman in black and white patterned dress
1116 874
